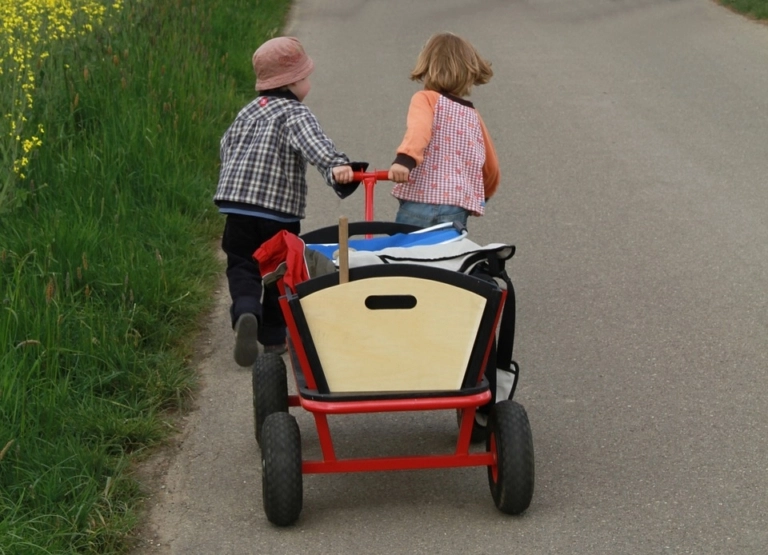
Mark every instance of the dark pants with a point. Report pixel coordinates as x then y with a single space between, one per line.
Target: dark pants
242 236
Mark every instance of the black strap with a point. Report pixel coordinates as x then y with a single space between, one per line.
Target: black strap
507 326
493 267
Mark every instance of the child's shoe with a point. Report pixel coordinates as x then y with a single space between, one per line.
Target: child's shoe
246 344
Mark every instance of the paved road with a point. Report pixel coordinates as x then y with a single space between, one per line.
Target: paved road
633 138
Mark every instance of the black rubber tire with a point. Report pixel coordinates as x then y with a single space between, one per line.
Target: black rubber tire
512 479
270 389
281 479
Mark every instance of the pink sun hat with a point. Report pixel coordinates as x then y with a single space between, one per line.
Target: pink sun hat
279 62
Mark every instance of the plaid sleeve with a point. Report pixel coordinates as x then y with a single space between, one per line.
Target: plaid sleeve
314 145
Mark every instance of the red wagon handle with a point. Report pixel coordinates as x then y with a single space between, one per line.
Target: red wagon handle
369 180
376 175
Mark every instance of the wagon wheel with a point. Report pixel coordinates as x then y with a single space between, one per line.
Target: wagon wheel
281 479
511 442
270 389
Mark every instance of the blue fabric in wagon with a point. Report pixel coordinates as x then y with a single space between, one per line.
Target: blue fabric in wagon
435 235
443 245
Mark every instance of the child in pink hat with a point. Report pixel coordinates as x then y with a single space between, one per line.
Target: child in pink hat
263 189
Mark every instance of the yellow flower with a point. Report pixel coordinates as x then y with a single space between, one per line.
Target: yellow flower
27 30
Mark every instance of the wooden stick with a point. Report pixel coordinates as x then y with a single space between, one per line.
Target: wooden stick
343 250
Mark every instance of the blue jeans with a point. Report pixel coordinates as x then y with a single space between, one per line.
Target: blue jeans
427 215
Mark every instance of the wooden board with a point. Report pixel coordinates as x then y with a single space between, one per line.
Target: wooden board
423 348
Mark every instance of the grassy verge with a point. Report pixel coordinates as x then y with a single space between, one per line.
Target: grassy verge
757 9
105 256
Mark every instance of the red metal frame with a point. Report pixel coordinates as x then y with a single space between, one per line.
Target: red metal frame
320 410
369 180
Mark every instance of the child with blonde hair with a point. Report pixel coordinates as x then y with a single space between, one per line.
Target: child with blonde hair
446 166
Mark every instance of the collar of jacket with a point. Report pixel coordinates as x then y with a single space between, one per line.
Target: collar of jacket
279 93
458 99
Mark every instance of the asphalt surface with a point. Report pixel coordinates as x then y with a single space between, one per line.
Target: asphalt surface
633 142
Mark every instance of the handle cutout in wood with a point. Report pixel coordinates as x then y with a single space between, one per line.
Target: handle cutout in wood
390 302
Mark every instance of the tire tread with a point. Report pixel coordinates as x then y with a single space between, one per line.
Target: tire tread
513 491
281 461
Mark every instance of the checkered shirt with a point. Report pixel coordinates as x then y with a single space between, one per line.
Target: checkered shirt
265 151
452 170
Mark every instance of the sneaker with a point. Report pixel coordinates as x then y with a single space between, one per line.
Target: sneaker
246 344
278 349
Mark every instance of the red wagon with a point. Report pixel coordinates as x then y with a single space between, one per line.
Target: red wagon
388 338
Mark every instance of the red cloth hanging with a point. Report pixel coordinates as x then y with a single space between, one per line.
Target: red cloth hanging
283 247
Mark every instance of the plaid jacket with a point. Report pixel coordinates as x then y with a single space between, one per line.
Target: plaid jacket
265 151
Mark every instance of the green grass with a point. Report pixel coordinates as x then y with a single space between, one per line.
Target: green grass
757 9
107 260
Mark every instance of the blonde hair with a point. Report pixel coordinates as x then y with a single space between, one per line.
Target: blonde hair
450 64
